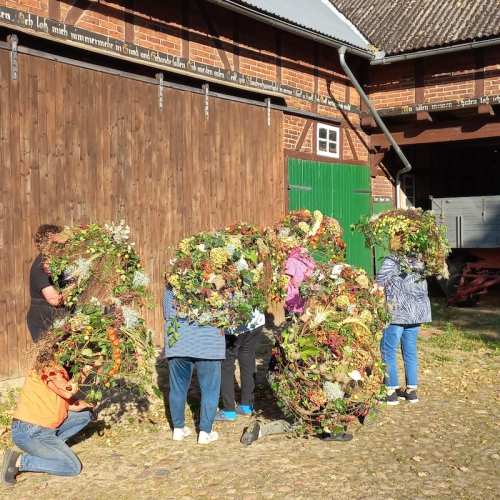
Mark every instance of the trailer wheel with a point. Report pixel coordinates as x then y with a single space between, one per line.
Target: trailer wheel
452 289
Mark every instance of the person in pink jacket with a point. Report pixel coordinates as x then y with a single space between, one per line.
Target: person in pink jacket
299 266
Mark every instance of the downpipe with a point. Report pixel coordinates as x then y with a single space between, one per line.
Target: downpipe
407 167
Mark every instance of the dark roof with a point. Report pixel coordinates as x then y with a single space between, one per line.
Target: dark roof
397 26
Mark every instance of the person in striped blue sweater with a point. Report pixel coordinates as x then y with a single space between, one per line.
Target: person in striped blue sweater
200 347
408 302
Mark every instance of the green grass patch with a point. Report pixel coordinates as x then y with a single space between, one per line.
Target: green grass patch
454 338
443 358
7 406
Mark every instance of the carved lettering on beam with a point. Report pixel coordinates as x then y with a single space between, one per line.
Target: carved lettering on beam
79 7
314 105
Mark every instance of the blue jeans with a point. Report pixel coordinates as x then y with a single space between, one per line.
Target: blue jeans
181 371
46 448
391 337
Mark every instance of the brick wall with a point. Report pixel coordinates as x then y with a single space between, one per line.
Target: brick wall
381 186
449 77
492 72
391 85
446 77
206 33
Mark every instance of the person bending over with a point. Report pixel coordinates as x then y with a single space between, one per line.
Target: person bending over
45 299
200 347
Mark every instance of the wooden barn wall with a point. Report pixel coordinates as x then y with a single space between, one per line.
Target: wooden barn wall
77 145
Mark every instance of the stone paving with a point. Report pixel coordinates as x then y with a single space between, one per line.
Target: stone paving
447 446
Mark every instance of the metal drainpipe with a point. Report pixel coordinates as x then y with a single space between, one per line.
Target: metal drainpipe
342 51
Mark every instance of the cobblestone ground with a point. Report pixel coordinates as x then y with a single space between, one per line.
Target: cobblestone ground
447 446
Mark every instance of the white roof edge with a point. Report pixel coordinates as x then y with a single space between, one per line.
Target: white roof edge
346 21
321 23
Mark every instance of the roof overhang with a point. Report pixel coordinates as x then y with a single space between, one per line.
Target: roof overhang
280 22
435 52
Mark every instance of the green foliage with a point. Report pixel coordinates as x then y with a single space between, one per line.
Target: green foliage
408 232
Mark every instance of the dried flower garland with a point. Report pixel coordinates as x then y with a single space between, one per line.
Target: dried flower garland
101 337
329 367
407 232
319 234
220 277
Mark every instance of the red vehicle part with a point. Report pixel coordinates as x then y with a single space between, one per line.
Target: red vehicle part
476 278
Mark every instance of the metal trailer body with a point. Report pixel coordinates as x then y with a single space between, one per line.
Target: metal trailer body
473 224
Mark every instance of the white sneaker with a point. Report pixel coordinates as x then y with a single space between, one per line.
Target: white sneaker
180 434
206 438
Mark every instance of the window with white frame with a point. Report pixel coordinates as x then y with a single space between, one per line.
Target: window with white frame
328 141
409 190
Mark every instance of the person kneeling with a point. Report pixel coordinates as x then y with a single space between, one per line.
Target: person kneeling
43 420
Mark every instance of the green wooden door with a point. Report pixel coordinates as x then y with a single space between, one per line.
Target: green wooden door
380 253
339 191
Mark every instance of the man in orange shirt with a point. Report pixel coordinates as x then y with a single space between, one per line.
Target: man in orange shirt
44 419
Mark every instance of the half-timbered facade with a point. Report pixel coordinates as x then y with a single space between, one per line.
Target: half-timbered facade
183 115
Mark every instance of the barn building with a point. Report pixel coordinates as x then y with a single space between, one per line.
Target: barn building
183 115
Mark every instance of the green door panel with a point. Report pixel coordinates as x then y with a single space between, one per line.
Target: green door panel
339 191
380 253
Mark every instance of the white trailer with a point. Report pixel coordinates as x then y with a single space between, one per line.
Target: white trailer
473 224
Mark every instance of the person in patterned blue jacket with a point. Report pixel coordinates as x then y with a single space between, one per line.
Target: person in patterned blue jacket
408 302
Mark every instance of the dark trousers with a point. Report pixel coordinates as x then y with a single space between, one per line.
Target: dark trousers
241 348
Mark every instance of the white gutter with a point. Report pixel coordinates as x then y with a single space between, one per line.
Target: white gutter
302 32
407 167
435 52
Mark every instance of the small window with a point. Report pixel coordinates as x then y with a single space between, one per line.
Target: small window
328 141
409 190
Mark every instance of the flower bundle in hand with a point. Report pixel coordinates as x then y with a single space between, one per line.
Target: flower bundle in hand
219 277
319 234
409 232
329 369
101 335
